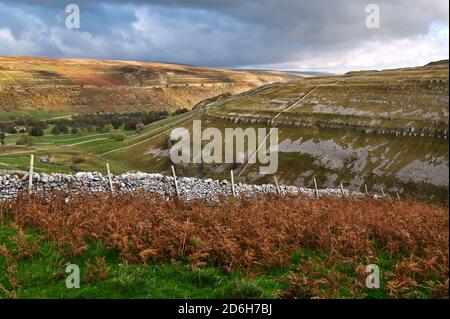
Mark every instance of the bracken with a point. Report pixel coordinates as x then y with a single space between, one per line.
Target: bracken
253 234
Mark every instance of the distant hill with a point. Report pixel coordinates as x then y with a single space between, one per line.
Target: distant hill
441 62
47 85
292 72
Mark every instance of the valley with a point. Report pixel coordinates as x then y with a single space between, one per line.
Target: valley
384 130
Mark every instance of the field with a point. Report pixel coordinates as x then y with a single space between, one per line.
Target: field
84 151
273 247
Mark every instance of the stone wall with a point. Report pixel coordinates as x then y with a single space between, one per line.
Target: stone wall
190 188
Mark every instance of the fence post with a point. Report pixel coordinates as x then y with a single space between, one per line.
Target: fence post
342 189
30 174
175 181
232 184
315 187
398 196
277 186
382 192
109 178
367 191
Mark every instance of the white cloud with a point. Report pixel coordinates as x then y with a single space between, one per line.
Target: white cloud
404 52
283 34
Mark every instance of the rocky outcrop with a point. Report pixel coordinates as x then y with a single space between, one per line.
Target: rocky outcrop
369 130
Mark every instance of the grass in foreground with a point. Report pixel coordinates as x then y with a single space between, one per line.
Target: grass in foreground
143 246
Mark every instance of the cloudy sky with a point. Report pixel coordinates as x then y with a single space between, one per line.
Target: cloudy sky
327 35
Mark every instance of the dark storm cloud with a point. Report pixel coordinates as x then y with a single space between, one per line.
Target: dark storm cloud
228 32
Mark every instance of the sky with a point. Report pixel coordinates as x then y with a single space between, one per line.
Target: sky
320 35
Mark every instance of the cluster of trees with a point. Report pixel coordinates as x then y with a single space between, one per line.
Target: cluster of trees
33 127
180 111
92 122
106 122
129 121
60 128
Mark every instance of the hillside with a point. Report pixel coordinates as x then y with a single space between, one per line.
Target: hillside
384 129
46 87
387 130
410 100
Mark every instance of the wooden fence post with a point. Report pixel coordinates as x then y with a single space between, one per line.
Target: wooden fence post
367 191
315 187
232 184
382 192
175 181
30 174
398 196
342 190
109 178
277 186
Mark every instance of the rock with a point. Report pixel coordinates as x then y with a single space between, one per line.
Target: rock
44 178
79 175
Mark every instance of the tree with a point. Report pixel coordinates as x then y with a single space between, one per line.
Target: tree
37 131
118 136
2 138
56 131
74 131
140 126
130 124
116 123
107 128
25 139
60 128
181 111
63 128
90 128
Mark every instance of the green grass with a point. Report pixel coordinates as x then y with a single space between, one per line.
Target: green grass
43 276
34 114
